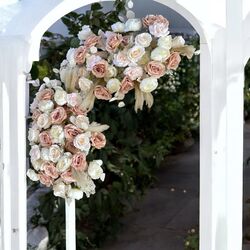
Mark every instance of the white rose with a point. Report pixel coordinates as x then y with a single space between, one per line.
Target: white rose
55 153
165 42
121 59
95 171
44 154
74 99
178 42
70 56
134 24
136 53
32 175
33 135
118 27
46 106
143 39
85 84
82 142
149 84
37 165
57 134
93 50
75 193
35 153
64 162
113 85
60 189
85 33
111 72
160 54
60 97
44 121
159 29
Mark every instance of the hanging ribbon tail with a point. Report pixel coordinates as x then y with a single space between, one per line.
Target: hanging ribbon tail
186 50
139 99
149 99
89 100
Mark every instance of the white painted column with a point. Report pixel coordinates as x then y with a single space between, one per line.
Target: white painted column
70 224
235 111
13 63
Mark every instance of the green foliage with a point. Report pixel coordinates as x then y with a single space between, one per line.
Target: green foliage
192 240
137 143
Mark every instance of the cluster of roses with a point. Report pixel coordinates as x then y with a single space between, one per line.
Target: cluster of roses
109 65
105 66
61 137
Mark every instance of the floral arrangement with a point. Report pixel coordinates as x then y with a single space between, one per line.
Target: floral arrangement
106 66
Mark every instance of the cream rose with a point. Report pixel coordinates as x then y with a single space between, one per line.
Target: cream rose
44 121
143 39
133 24
81 121
133 72
85 84
113 85
111 72
46 106
160 54
33 135
82 142
85 33
45 154
64 162
60 189
95 171
57 134
178 42
118 27
35 153
32 175
60 97
136 53
121 59
149 84
55 153
165 42
37 165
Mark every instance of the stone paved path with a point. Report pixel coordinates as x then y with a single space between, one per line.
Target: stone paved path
161 219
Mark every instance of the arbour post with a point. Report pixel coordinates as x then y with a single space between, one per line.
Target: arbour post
13 64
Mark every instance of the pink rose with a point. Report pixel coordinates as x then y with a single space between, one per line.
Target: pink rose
173 61
92 41
126 85
45 179
67 177
80 54
71 131
69 147
152 19
36 113
78 110
79 162
113 42
45 94
98 140
100 68
50 170
102 93
45 139
134 72
156 69
58 115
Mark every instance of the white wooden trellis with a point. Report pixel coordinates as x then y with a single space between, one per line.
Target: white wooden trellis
225 47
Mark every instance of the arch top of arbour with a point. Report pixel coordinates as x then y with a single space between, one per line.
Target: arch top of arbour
33 18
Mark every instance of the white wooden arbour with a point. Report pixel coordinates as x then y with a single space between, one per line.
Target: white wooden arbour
220 25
